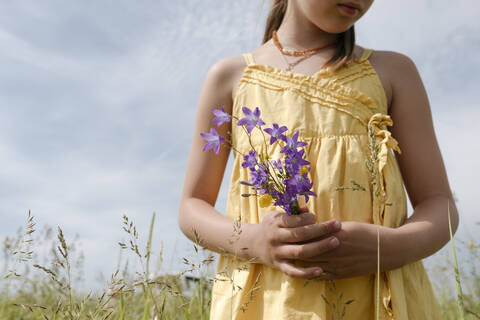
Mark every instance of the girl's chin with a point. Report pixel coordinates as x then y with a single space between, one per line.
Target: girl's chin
337 29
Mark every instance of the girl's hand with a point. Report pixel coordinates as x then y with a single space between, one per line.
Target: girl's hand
278 241
357 253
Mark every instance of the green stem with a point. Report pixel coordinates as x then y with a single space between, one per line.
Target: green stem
149 243
264 139
378 273
146 307
233 148
148 289
122 306
279 186
461 306
200 292
248 134
249 139
70 304
185 310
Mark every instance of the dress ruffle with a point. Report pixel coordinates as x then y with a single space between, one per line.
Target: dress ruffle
320 88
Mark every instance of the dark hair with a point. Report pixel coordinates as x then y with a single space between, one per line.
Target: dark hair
344 47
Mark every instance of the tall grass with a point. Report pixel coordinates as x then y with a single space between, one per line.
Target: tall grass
37 287
47 291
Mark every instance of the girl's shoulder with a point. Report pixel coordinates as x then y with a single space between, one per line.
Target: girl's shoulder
391 67
228 71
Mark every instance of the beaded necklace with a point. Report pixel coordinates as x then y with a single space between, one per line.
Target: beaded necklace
304 53
296 53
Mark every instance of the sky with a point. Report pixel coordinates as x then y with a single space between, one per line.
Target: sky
98 100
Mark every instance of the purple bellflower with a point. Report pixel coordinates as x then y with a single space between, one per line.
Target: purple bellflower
251 119
276 133
250 160
301 185
220 116
293 144
294 161
213 140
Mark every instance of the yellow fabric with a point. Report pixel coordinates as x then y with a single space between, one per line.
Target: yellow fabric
333 110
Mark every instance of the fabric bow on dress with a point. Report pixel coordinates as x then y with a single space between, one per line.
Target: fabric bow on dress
383 140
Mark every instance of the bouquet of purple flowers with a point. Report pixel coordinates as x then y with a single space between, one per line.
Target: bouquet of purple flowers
280 181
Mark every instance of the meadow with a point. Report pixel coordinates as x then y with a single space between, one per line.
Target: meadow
35 287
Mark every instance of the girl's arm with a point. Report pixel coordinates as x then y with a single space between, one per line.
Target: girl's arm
272 241
421 164
205 171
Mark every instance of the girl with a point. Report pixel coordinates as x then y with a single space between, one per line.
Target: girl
341 98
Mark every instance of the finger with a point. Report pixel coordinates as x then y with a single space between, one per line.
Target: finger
307 250
324 257
292 270
325 266
296 220
308 232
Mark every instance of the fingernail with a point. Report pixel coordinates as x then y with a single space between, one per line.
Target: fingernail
336 224
318 272
333 242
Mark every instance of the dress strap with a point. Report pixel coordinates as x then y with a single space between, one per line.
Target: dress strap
366 53
248 58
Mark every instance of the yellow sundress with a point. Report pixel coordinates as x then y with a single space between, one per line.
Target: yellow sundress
332 110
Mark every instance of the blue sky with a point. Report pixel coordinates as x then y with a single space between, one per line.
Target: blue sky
98 100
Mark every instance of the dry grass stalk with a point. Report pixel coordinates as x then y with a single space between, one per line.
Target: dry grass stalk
22 248
461 305
173 304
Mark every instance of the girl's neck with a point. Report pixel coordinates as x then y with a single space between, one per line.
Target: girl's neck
298 32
